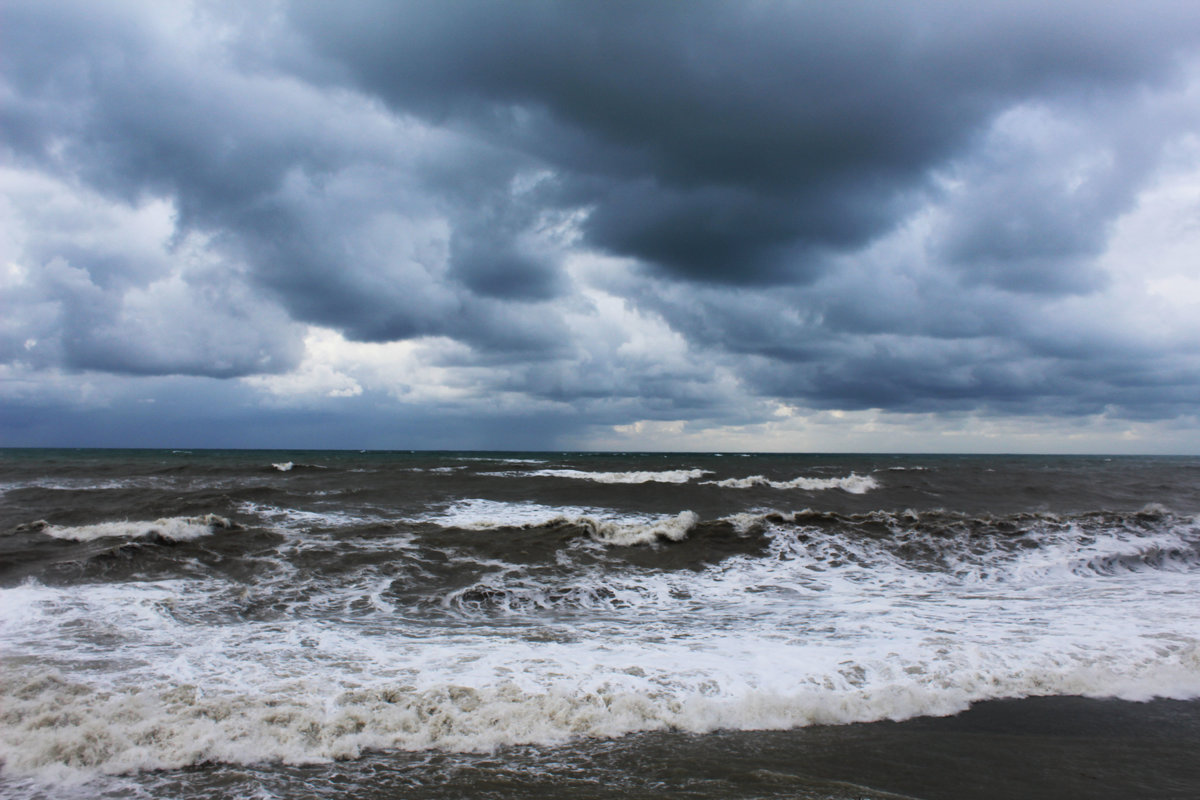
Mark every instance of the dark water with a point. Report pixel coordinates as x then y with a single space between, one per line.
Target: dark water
291 624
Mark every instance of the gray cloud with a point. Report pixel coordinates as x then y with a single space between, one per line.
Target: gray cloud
898 207
381 228
192 412
727 143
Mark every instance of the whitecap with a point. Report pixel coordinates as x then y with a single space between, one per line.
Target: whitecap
175 529
852 483
168 725
478 514
639 476
602 525
626 533
825 626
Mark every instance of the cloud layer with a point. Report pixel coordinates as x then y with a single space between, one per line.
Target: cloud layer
543 223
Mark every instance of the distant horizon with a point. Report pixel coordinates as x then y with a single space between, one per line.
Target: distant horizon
368 450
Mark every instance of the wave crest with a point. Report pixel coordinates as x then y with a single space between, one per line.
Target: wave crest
852 483
485 515
62 731
171 529
619 532
1014 547
643 476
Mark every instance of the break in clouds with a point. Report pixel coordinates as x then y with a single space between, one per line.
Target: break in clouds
596 223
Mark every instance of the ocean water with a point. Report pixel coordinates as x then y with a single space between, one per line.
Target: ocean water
393 624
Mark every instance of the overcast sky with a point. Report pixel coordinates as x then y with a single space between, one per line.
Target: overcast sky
601 225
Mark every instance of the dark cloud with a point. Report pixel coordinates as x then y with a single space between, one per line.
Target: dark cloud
378 228
903 207
727 142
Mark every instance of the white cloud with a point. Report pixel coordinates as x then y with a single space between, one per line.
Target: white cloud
102 283
334 367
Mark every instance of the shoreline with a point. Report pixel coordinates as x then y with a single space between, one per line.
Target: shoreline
1034 748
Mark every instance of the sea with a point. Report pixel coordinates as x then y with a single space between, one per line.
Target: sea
313 624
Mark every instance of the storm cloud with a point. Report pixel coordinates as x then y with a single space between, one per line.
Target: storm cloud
599 213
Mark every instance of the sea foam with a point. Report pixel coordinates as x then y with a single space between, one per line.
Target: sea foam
829 618
638 476
602 525
852 483
59 729
175 529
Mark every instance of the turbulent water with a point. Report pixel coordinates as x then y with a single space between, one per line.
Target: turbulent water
189 624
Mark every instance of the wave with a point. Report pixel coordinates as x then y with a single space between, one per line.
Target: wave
601 525
812 553
628 533
288 466
171 529
852 483
658 476
295 519
92 484
1018 547
836 619
477 514
60 730
1089 543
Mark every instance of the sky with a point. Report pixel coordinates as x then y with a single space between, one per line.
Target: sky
601 225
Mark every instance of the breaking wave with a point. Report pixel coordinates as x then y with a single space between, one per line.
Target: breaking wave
600 525
628 533
1020 547
852 483
173 529
643 476
374 609
288 466
59 730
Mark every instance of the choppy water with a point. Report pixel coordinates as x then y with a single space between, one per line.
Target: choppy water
191 624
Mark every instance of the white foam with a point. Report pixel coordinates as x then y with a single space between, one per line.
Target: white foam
288 466
175 529
65 726
627 533
293 519
821 628
91 484
852 483
602 525
643 476
345 698
500 460
477 514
